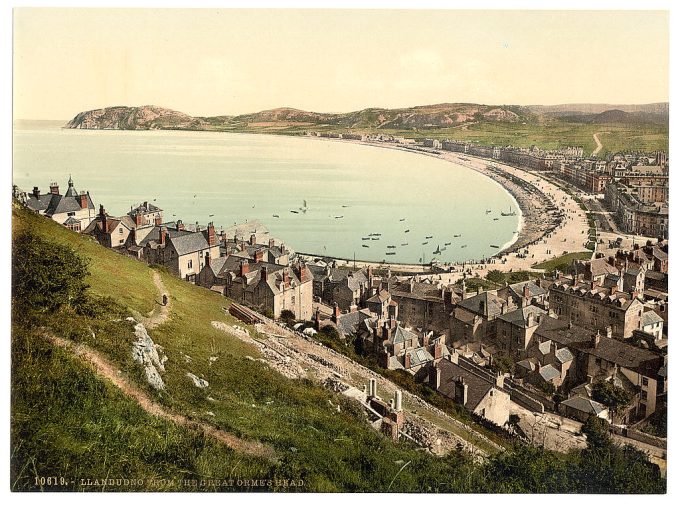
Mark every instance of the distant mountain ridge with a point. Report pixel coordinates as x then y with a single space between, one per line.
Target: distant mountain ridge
443 115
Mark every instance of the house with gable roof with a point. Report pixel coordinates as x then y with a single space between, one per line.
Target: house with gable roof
75 210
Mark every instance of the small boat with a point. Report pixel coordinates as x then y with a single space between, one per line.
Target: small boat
377 234
463 246
275 215
488 211
211 215
390 254
405 243
509 213
365 238
495 219
375 238
294 211
339 217
495 246
429 237
304 206
457 235
403 219
447 243
425 243
406 231
345 206
391 246
438 251
364 245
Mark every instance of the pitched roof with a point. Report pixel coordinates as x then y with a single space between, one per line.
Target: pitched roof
534 289
650 317
478 387
61 204
485 304
419 356
564 355
144 208
189 243
349 323
584 405
401 335
519 317
40 203
579 339
379 297
548 372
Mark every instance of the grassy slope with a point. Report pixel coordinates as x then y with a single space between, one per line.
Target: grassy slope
329 450
563 263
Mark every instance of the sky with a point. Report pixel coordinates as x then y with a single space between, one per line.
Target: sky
223 62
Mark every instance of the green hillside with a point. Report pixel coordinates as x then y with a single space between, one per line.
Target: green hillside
70 423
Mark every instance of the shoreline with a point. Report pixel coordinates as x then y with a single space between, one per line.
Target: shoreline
540 212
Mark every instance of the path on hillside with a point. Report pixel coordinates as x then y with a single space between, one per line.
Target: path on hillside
597 141
105 369
161 313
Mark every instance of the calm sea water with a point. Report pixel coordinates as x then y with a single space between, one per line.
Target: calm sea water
351 190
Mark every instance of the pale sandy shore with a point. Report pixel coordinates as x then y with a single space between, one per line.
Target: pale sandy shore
543 235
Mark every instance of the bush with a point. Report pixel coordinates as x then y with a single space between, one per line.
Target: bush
287 316
46 275
611 395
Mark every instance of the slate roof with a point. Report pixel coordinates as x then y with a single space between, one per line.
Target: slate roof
578 339
349 323
401 335
600 266
419 356
564 355
380 297
548 372
39 204
534 289
485 304
650 317
62 204
527 364
189 243
519 317
618 300
417 290
544 347
144 209
216 264
584 405
478 387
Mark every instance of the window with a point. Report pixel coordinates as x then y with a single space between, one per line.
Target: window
190 264
70 213
120 231
645 381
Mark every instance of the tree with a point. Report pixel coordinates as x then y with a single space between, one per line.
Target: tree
596 431
611 395
495 276
287 316
46 275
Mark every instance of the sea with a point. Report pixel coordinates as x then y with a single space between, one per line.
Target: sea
324 197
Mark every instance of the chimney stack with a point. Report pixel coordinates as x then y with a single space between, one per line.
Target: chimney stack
138 219
453 357
271 243
244 268
180 225
336 312
211 234
461 391
54 188
609 331
500 380
263 273
36 192
82 200
372 388
253 239
397 400
162 234
157 220
435 377
595 340
207 259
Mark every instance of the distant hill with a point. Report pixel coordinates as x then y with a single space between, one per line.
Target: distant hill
420 118
426 116
617 116
148 117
